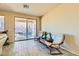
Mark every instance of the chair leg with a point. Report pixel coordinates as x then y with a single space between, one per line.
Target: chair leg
50 50
58 50
55 53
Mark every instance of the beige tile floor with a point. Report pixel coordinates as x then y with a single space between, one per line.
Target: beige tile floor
29 48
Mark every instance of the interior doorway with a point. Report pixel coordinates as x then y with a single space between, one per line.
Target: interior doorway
24 28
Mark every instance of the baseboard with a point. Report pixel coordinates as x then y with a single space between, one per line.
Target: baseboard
22 40
69 51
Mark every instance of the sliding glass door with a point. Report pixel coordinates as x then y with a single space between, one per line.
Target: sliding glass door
24 28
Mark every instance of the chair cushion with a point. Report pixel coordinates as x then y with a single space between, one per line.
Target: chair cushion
57 38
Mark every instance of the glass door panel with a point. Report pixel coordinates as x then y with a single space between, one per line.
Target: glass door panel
20 29
31 28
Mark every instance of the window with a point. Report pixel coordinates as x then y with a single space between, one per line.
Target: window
1 23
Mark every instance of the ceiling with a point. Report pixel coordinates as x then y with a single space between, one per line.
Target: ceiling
35 9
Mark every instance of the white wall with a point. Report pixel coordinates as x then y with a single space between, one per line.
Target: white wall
64 19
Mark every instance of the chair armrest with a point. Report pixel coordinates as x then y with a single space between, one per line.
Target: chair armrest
54 45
